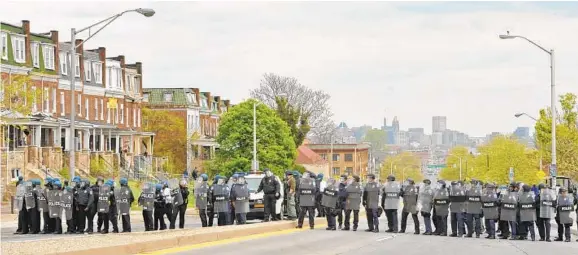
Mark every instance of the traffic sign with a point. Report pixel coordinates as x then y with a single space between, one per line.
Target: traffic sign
437 166
553 170
511 175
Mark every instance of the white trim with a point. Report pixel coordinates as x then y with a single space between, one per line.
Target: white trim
96 109
34 100
4 45
35 54
49 60
86 111
97 75
101 109
121 114
77 66
19 48
63 62
79 105
53 100
46 100
93 90
87 70
62 107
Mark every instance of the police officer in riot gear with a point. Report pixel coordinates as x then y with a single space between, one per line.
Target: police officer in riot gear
527 205
409 194
457 209
390 203
352 202
564 207
159 220
92 207
490 208
426 195
306 193
271 191
441 205
474 209
84 200
181 209
341 199
371 203
201 197
126 217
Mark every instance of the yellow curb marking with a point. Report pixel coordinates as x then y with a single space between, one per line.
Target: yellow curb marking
227 241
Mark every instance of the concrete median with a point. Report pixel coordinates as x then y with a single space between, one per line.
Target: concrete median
134 243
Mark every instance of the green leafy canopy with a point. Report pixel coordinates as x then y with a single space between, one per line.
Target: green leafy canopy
275 145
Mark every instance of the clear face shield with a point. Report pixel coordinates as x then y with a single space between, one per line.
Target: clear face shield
183 183
100 183
305 175
241 180
268 173
349 180
221 181
370 179
199 179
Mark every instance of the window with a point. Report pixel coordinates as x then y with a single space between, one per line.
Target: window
336 171
134 117
214 107
77 66
87 70
107 115
4 42
146 97
349 157
127 123
63 65
86 108
48 51
36 55
101 109
323 156
79 107
191 98
53 100
62 110
34 106
118 78
204 103
19 48
95 109
168 96
335 157
97 68
138 119
121 113
349 170
46 101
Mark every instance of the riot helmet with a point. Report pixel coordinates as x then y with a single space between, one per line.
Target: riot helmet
123 181
268 172
343 178
221 180
99 181
356 178
391 178
241 180
370 178
183 183
205 177
410 181
427 181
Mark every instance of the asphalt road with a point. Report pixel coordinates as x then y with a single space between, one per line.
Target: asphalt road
321 241
137 225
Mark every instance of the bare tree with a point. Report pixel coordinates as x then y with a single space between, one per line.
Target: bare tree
313 103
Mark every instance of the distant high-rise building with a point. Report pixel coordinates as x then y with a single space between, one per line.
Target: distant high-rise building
416 134
522 132
439 124
402 138
437 138
395 124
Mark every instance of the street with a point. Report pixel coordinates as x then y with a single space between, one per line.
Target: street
321 241
137 225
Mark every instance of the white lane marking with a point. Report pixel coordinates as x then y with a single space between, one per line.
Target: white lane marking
385 238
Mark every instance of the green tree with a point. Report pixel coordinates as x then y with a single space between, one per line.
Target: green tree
403 166
452 169
170 137
275 145
18 97
502 153
377 138
296 119
566 136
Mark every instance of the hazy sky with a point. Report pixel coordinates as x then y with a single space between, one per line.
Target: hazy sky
412 60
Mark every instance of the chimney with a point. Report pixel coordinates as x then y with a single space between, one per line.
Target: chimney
80 50
209 100
54 37
28 50
198 96
122 71
102 57
139 71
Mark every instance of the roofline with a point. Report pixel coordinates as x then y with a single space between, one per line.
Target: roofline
10 24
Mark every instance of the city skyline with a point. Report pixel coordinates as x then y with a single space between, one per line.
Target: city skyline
479 84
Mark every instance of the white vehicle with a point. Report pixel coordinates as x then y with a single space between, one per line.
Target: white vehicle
256 205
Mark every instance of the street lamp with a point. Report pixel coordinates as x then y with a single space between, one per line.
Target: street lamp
518 115
255 163
460 158
72 74
552 99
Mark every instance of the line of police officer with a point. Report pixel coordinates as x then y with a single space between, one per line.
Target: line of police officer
515 210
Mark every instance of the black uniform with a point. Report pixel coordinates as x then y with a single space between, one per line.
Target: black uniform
210 203
84 201
34 214
270 187
49 223
181 209
111 215
159 211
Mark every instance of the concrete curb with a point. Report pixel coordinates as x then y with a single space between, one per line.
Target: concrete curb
141 247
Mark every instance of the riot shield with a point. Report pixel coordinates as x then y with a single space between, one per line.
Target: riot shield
147 197
391 193
19 198
410 198
176 192
353 199
103 204
372 189
330 193
565 208
547 199
29 196
54 203
221 194
527 203
242 198
201 191
42 199
122 196
441 201
66 200
425 198
457 198
490 204
306 192
509 206
474 197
